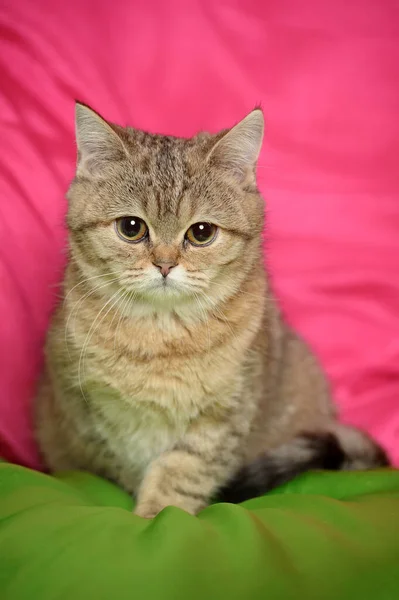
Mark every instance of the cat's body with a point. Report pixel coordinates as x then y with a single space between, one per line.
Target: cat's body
169 368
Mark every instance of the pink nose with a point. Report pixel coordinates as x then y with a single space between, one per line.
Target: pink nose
165 267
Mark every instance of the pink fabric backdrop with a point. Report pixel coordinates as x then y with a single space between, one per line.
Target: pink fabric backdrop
326 73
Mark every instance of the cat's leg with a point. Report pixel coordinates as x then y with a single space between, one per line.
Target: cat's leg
189 475
67 435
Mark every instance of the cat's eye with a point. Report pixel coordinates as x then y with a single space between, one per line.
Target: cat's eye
131 229
201 234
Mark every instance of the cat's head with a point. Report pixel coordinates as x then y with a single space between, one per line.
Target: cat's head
172 221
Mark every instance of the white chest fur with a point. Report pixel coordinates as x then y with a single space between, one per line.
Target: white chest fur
136 433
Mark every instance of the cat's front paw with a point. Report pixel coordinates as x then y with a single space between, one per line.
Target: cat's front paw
148 510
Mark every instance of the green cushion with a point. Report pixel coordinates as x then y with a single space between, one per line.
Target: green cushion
323 536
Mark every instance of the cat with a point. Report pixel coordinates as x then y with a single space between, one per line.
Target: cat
169 368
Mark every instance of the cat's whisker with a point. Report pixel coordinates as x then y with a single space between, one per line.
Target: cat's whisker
126 283
223 317
195 287
124 293
113 300
123 301
74 309
125 304
206 320
110 274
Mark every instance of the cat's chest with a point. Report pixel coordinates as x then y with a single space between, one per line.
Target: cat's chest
165 372
176 386
152 383
143 408
149 385
136 434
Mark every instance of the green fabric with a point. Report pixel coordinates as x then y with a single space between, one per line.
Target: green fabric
324 536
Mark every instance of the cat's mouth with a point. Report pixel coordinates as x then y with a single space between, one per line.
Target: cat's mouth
169 287
163 291
164 288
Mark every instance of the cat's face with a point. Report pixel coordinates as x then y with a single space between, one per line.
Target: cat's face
164 221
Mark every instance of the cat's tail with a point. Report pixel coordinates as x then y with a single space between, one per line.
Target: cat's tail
338 448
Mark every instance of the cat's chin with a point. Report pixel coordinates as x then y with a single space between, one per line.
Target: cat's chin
164 296
149 305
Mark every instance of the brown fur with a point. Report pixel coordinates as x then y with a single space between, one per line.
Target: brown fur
169 389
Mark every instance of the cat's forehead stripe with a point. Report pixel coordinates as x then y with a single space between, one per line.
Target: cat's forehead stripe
164 164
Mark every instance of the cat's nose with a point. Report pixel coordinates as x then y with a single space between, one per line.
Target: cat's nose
165 267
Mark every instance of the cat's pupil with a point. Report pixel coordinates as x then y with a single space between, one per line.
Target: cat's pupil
202 231
130 226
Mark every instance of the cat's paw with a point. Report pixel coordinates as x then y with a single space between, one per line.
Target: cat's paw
148 510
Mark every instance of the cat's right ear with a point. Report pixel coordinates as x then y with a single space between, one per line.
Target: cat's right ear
238 150
98 143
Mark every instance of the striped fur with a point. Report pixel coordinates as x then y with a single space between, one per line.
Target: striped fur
171 386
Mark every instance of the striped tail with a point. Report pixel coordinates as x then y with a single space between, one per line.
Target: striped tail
338 448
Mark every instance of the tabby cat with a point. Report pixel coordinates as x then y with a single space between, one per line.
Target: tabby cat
169 369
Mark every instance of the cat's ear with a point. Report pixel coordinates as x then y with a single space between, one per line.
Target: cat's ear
98 143
238 150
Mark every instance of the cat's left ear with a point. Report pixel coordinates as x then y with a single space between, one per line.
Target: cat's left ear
98 142
238 150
